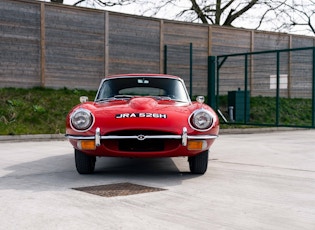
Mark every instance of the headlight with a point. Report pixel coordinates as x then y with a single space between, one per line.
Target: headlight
201 120
81 120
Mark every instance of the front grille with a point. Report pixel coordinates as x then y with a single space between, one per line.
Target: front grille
138 132
147 145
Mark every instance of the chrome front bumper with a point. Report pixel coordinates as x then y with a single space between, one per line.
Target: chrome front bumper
184 137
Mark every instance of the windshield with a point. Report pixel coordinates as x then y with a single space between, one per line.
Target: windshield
160 88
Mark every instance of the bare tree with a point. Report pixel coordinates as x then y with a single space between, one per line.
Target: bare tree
107 3
299 14
218 12
274 15
221 12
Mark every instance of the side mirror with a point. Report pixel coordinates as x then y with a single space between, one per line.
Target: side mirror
200 99
84 99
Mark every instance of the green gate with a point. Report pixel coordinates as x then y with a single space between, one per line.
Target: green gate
267 88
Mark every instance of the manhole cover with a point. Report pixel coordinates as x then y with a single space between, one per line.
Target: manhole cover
120 189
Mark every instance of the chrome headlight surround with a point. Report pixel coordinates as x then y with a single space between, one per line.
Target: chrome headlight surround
201 120
81 120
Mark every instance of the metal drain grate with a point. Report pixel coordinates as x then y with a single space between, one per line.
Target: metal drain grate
120 189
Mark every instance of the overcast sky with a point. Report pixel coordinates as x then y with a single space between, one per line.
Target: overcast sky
249 23
130 9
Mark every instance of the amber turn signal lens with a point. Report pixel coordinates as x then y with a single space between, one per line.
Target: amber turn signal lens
87 145
196 145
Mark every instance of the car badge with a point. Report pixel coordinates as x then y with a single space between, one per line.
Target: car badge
141 137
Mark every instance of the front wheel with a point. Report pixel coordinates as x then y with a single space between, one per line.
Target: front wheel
85 164
198 164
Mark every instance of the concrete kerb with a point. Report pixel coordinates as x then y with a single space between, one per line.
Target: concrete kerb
61 137
33 137
258 130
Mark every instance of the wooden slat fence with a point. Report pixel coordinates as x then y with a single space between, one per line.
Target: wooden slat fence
52 45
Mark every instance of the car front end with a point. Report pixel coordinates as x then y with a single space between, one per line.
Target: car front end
124 125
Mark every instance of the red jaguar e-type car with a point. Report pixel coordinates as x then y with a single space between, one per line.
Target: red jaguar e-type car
142 115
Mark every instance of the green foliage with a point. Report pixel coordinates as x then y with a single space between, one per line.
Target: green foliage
37 110
263 111
292 111
41 110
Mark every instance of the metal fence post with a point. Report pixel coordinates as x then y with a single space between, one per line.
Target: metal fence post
313 91
245 88
165 59
211 81
190 69
278 90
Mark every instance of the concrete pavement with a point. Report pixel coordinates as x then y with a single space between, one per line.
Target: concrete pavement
254 181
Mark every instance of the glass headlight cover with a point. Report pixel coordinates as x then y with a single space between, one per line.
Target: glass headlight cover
201 120
81 120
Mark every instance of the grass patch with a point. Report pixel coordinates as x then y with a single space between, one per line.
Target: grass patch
263 110
43 111
36 110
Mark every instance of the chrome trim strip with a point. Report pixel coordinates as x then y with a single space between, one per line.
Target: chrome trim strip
143 137
184 137
98 137
80 137
202 137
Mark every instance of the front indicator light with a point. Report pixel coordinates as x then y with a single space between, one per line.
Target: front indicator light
196 145
86 145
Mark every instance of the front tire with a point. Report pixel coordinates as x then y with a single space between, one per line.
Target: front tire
84 163
198 164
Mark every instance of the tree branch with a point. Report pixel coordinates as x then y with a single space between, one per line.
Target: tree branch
232 16
198 11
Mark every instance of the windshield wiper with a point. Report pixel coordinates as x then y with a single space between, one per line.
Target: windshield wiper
169 98
166 98
123 96
102 99
116 97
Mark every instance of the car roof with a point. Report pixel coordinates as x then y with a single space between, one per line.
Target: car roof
142 75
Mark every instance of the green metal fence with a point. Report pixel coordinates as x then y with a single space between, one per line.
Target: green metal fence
172 58
270 88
